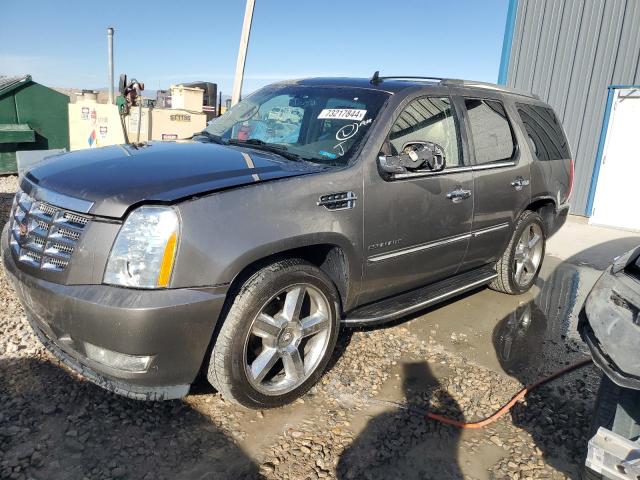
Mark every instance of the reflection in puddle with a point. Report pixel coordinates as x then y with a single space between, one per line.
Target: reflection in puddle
539 335
517 338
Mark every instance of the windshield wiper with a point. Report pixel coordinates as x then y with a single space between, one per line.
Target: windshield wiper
211 137
269 147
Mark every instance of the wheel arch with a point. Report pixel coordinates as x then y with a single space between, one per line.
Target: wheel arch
329 254
547 209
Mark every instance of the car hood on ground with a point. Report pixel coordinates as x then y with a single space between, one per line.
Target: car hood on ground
115 178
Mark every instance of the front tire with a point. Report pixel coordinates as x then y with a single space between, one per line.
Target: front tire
277 337
519 266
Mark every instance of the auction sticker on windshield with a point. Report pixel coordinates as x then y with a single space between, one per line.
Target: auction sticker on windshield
343 113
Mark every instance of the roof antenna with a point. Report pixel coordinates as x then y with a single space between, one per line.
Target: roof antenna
375 80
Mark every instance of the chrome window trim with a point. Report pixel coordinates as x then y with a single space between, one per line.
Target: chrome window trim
488 166
437 243
470 168
63 202
400 176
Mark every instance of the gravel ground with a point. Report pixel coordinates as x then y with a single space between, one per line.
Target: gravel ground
364 420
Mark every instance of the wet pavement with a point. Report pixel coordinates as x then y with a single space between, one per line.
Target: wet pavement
365 419
524 336
513 340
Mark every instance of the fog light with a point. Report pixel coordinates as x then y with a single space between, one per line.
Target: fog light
120 361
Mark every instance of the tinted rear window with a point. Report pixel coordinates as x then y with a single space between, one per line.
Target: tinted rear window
546 136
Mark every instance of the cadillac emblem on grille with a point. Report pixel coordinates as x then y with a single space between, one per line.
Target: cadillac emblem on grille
22 227
43 235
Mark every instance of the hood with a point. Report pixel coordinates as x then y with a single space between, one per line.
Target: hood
117 177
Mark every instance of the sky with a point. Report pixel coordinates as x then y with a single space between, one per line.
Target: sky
64 43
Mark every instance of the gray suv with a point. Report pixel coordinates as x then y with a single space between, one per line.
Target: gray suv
309 205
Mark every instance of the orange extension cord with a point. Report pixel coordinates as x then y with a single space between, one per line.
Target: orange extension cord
519 396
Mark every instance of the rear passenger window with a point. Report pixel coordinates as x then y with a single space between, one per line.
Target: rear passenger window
545 132
493 139
428 119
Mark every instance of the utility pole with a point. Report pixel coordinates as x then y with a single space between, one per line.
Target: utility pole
110 46
242 53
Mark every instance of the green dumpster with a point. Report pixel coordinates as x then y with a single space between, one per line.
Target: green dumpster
32 117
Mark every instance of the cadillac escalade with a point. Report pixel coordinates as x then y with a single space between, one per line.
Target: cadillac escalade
310 205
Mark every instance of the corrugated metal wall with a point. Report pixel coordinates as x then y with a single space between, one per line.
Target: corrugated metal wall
569 52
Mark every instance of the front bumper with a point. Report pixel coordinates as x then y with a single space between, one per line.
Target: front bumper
608 323
172 326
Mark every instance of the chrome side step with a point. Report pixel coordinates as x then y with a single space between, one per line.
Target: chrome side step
400 305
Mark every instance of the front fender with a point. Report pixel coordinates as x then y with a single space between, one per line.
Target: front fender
225 232
286 244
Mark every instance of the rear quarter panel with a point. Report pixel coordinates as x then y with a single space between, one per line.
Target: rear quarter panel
550 179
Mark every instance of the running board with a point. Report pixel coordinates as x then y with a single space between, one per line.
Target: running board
400 305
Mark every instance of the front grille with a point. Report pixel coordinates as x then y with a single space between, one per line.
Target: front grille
43 235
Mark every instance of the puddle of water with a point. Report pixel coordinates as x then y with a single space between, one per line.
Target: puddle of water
524 336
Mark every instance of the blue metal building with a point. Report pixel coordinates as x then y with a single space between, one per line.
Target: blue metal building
573 54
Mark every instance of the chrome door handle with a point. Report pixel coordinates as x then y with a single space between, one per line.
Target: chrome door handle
459 194
519 182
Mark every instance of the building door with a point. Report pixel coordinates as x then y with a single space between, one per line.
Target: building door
616 198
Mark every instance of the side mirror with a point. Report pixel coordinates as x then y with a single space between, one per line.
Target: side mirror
391 164
439 161
414 156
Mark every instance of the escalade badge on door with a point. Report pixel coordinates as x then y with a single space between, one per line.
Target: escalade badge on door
390 243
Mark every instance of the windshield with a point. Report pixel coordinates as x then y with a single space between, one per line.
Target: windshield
318 124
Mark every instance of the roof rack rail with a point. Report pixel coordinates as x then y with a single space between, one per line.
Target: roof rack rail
487 86
377 79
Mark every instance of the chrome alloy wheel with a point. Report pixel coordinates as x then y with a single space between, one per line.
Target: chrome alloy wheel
287 339
528 254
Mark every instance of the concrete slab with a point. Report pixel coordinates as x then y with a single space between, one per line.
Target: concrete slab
579 243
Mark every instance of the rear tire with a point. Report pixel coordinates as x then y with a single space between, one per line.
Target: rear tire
616 409
516 271
277 337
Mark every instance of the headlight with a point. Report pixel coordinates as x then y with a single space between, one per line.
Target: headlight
621 262
143 253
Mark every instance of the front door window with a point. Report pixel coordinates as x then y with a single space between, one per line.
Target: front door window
427 119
